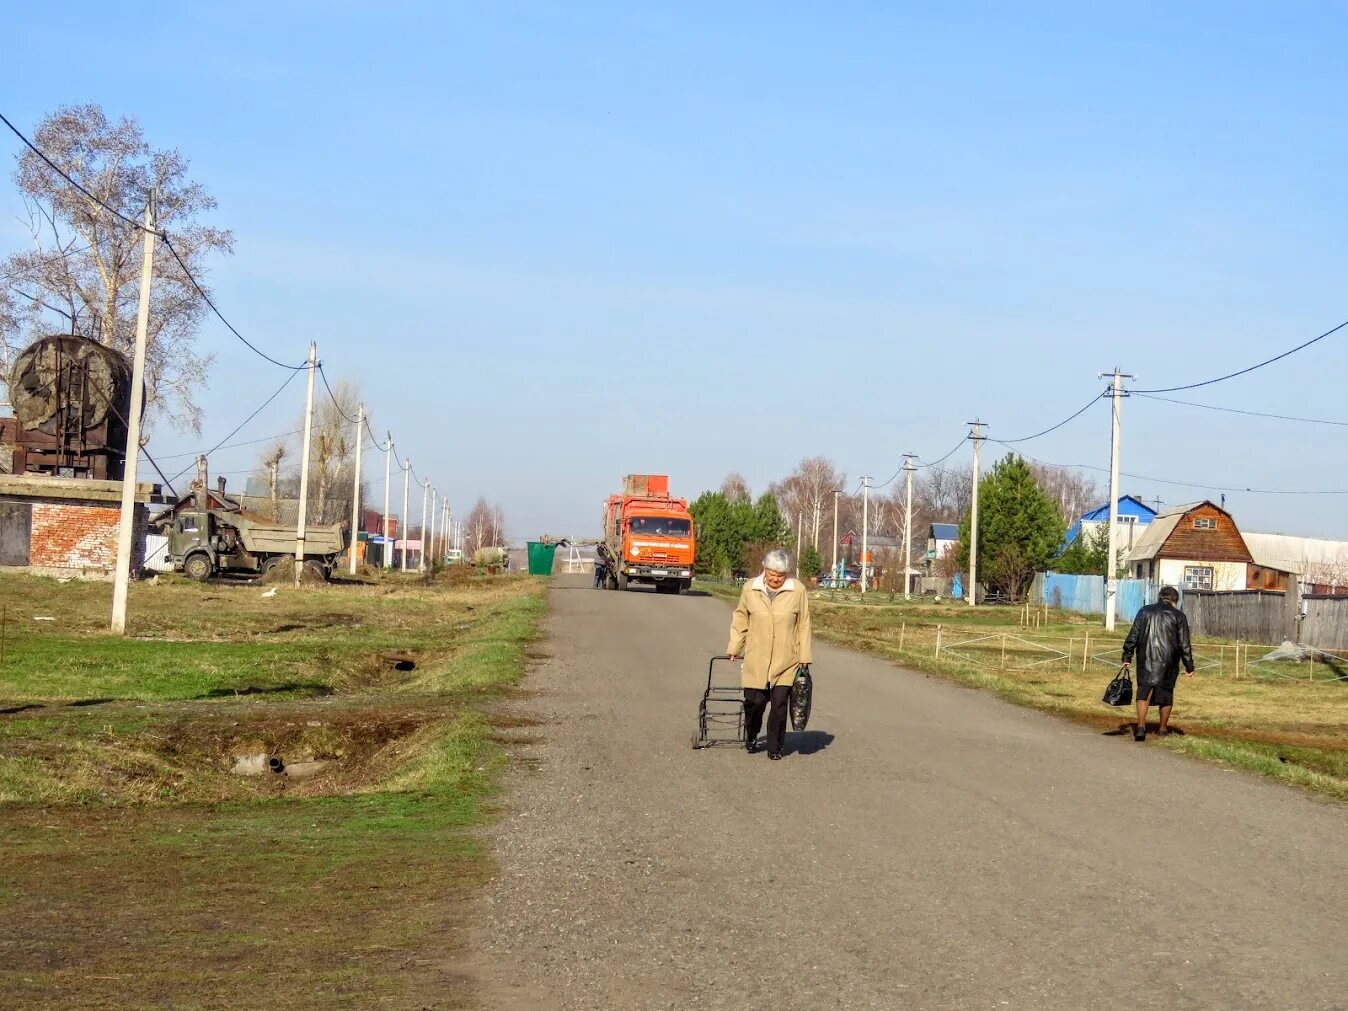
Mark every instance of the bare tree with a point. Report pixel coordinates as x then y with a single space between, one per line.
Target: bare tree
807 493
271 460
332 452
1073 492
478 527
85 262
735 488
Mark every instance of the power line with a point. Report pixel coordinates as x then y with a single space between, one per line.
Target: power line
234 445
332 396
1237 410
289 379
1071 417
207 298
935 463
1232 375
62 173
1186 484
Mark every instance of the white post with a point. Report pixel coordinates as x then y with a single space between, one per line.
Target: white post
908 531
355 487
406 527
972 589
304 463
126 523
800 530
425 530
428 546
865 524
386 549
835 538
1112 562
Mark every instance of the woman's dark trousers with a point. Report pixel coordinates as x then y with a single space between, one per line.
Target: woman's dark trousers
755 701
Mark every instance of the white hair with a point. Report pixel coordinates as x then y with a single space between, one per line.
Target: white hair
777 560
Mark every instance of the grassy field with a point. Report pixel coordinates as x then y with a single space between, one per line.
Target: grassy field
1286 720
141 870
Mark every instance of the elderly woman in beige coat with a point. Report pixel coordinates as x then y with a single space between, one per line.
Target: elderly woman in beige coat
771 631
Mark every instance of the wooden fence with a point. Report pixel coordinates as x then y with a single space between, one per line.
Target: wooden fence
1248 615
1326 623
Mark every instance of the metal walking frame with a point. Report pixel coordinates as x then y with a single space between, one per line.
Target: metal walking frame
720 711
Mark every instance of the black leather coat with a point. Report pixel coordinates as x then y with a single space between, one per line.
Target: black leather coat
1160 640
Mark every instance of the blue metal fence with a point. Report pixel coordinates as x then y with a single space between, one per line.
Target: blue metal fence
1086 594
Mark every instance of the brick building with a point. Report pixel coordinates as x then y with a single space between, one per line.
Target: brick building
59 526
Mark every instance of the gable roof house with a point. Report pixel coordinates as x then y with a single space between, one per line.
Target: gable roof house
941 538
1195 547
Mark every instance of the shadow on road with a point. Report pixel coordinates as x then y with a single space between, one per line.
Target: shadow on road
1126 730
807 742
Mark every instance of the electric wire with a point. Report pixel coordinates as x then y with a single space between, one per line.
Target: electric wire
1260 365
1189 484
235 445
1237 410
332 396
1071 417
935 463
288 380
62 173
230 326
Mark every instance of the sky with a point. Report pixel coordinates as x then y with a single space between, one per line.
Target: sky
558 243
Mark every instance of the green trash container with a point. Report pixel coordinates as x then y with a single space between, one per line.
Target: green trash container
540 558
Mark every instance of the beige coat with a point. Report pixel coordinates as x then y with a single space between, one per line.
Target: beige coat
772 636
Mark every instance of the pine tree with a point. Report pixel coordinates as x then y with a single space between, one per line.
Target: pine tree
1019 528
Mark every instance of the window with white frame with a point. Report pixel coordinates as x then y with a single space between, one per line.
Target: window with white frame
1198 577
1205 523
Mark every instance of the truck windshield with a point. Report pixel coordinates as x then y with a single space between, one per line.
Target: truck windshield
661 526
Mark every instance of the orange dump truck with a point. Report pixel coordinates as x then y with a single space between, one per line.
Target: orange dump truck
648 536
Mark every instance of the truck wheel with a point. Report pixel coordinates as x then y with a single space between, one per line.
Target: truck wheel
685 585
610 582
316 568
269 563
622 580
198 566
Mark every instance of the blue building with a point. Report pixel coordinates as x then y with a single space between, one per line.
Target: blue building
1134 517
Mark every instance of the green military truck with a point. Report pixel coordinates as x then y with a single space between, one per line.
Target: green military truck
209 542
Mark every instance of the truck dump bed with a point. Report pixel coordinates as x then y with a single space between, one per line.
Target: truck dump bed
277 538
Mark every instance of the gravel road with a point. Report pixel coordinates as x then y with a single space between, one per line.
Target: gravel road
922 846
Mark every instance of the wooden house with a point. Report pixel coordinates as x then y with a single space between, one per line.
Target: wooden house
1195 547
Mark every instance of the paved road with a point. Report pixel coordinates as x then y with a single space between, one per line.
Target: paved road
936 849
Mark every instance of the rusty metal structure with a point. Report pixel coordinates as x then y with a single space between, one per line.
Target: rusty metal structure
71 397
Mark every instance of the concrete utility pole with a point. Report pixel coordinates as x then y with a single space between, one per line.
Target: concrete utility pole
406 527
355 486
908 528
972 588
425 531
386 549
131 459
304 463
835 538
428 545
800 530
865 523
1116 395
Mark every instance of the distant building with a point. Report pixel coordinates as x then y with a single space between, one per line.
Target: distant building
1193 547
1134 517
1318 565
67 526
941 539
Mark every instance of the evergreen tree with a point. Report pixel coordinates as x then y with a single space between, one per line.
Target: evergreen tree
1019 528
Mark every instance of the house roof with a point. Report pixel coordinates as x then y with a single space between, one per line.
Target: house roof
1128 504
1159 531
945 531
1298 555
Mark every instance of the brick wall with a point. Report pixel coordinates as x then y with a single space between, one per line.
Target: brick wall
80 538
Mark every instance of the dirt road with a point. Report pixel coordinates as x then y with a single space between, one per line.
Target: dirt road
935 848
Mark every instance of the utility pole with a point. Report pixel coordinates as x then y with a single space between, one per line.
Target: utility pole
972 588
304 463
908 529
386 549
800 530
406 527
131 459
355 486
865 523
1112 562
425 536
428 545
835 538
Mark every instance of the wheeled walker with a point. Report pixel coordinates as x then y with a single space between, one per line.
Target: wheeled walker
720 714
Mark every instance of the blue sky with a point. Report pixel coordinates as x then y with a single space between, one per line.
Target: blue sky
556 243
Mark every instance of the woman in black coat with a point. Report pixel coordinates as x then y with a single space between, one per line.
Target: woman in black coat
1160 640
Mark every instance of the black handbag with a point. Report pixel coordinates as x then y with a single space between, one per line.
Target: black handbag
802 689
1119 692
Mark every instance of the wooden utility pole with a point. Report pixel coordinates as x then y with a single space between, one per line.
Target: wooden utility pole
972 588
126 523
1112 562
908 529
355 486
304 463
386 548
